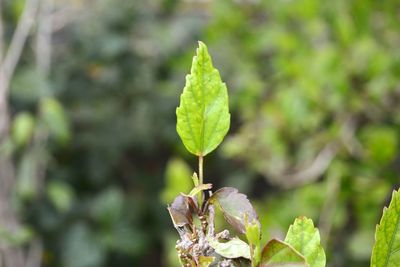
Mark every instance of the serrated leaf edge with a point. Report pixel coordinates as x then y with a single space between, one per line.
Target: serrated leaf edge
378 227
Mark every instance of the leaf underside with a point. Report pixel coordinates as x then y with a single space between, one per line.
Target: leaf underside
386 251
180 212
234 248
235 207
278 253
203 114
304 237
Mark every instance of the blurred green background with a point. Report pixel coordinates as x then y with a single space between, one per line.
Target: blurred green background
314 97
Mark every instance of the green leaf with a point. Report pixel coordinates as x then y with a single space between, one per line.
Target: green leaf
61 195
26 186
55 119
304 237
18 237
236 208
253 235
234 248
278 253
253 232
23 128
203 115
386 251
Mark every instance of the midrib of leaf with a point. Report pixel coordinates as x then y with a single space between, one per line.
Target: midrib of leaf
206 118
203 109
393 235
302 237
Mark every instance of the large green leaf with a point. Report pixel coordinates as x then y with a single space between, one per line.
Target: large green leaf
203 115
304 237
386 251
278 253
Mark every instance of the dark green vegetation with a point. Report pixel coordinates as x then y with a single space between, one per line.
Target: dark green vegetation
314 95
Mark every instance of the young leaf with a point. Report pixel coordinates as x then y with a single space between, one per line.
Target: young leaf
278 253
253 232
235 207
305 239
253 235
180 212
234 248
203 115
386 251
195 179
200 188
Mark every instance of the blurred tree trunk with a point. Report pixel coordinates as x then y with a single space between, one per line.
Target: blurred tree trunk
8 220
10 256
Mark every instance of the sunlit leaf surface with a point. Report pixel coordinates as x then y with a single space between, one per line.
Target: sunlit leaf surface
386 251
304 237
203 115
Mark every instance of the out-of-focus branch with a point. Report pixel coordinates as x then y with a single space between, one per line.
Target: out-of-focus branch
17 44
353 146
63 16
330 205
43 51
325 156
34 256
7 68
11 256
1 32
43 37
315 169
348 138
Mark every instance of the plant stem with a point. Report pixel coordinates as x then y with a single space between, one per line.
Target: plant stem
201 195
200 170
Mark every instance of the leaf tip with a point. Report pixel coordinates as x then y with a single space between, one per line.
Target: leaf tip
201 44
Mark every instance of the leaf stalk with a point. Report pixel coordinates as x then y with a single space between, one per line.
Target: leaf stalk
201 196
200 170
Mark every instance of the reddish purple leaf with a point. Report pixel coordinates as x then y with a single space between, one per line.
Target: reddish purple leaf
235 206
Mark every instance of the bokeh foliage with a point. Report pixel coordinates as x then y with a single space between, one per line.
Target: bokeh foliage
306 78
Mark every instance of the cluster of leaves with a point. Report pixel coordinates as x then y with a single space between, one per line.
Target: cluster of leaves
203 120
